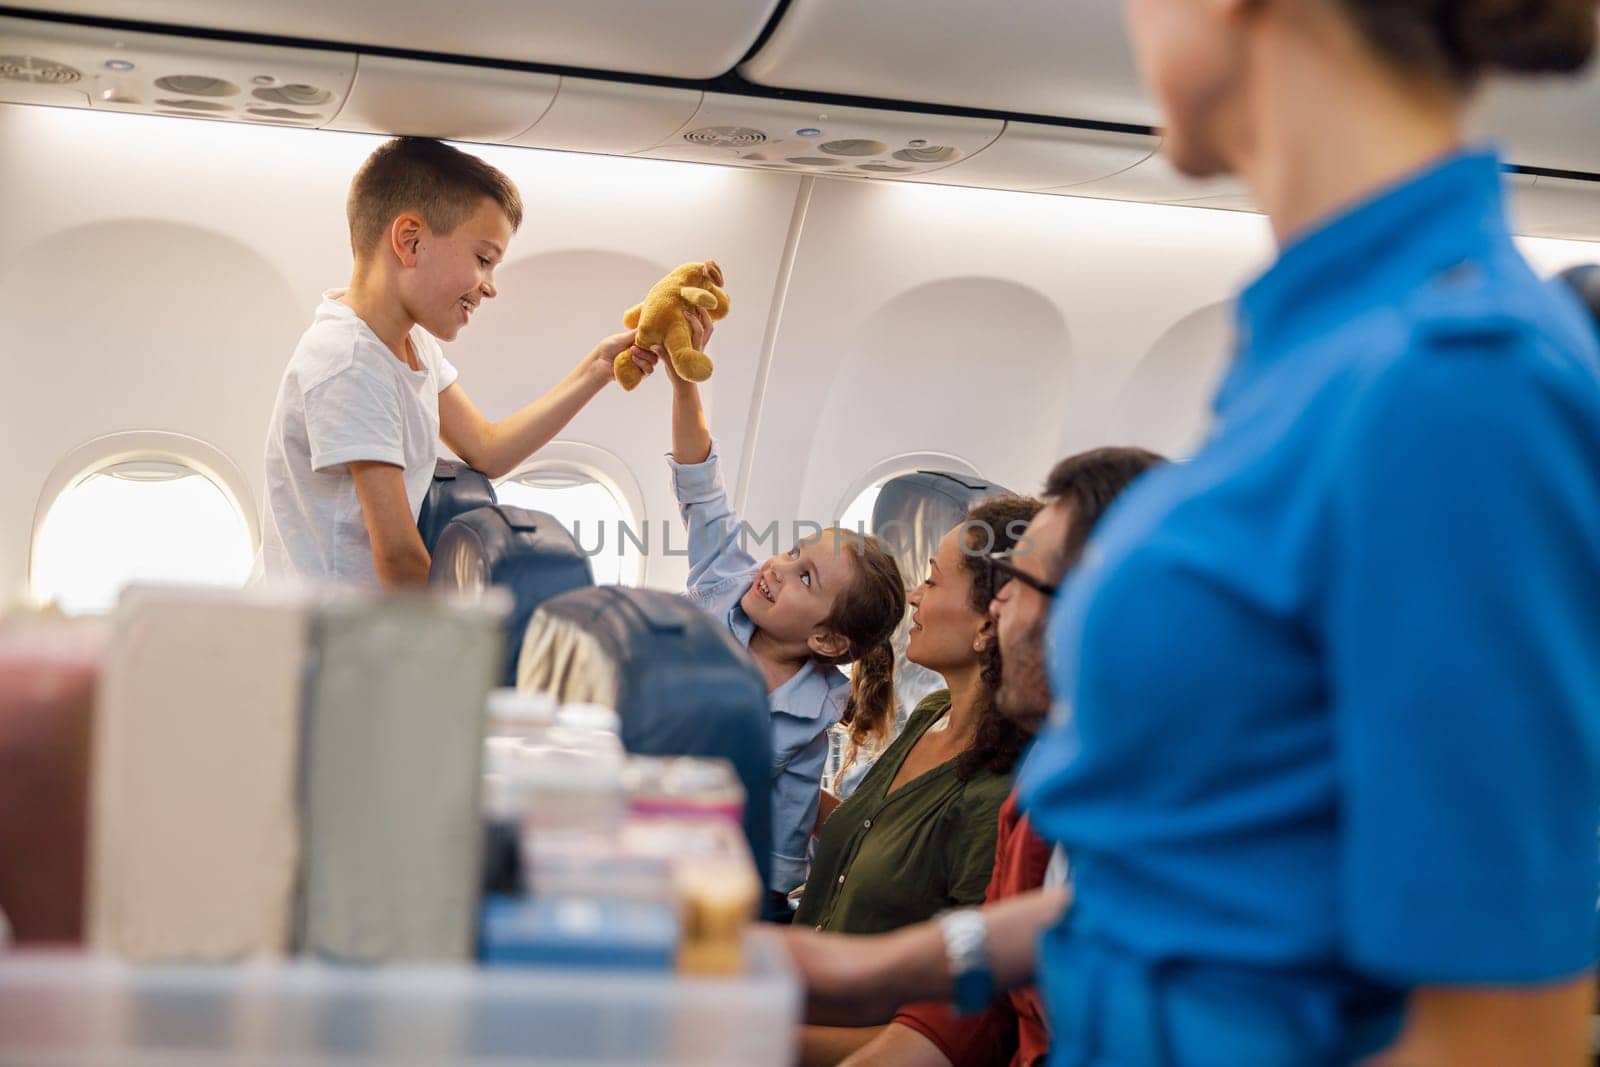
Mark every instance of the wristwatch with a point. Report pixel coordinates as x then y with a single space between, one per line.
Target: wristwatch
966 949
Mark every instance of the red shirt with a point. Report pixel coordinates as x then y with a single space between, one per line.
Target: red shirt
1013 1031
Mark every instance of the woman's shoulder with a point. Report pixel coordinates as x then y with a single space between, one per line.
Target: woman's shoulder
929 710
934 704
973 810
1540 375
986 791
1496 318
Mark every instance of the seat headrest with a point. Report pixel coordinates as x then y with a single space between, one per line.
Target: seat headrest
679 681
911 515
1584 280
528 553
456 490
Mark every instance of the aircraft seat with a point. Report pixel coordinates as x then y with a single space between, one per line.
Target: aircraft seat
528 553
1584 280
679 681
456 490
912 514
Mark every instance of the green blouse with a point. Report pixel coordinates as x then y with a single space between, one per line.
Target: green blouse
888 861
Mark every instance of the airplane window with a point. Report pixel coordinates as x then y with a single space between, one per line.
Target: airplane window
145 521
858 516
602 524
912 539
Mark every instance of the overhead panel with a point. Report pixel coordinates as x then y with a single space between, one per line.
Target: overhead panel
1241 201
614 118
449 100
1554 207
1548 122
1067 58
109 70
771 134
1032 156
666 38
1155 181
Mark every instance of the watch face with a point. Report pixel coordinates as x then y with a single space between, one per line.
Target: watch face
965 944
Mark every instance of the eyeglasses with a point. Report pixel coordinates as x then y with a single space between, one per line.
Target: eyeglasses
1001 565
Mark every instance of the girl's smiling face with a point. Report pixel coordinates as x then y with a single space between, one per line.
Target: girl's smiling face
794 594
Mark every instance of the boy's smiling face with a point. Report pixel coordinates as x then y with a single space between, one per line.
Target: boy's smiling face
447 276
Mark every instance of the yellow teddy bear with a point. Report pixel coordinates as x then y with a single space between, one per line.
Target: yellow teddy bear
660 321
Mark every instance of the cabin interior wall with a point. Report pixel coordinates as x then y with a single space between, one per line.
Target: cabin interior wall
155 274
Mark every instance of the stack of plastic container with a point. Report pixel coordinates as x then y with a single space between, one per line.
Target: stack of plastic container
621 875
625 863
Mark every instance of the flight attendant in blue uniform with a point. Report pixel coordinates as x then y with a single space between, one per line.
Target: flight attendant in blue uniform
1326 755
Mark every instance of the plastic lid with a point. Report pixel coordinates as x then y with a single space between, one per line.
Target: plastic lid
579 770
589 717
689 775
521 705
682 777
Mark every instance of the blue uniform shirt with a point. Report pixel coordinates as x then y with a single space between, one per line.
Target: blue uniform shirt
1329 693
804 707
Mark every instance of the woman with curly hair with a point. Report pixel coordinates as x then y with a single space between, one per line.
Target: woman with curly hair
918 835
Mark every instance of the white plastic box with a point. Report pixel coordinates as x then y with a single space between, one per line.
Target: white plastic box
70 1010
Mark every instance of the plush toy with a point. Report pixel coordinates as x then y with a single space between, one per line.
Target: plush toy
660 321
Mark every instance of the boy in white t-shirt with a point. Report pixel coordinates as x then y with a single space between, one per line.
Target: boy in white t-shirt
368 393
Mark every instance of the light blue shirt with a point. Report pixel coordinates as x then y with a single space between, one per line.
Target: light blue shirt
805 706
1329 720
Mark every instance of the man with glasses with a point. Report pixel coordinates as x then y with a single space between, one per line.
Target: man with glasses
862 981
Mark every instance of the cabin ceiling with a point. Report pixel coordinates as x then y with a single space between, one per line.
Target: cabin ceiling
1030 95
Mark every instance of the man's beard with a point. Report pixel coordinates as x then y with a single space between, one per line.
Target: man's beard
1028 714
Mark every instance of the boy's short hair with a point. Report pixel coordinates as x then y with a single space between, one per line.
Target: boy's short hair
440 183
1088 483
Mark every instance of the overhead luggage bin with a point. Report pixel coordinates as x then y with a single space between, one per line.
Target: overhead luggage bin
793 135
448 100
665 38
110 70
1030 156
1066 58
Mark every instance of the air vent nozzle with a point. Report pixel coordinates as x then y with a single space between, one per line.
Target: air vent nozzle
281 113
933 153
37 71
294 95
726 137
197 85
195 105
855 146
